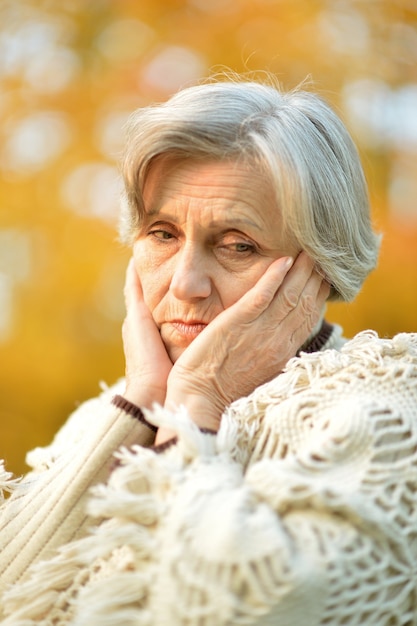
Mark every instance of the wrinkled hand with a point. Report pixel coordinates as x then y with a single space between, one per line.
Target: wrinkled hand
250 342
147 361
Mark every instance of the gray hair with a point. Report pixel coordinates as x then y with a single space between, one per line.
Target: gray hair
298 141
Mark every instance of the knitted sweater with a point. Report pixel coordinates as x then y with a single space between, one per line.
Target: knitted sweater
47 507
301 510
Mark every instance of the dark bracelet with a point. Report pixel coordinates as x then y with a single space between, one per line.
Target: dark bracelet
133 410
161 447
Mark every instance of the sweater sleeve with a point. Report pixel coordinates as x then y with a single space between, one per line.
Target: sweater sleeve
47 508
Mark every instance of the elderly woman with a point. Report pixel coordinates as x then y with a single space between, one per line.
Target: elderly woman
246 209
228 186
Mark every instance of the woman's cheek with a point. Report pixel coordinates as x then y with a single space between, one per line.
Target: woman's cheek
153 293
240 284
150 275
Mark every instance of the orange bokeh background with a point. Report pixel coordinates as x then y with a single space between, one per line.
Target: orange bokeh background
70 74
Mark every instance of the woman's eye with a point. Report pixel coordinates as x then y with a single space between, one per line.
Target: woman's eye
243 247
236 244
239 247
161 234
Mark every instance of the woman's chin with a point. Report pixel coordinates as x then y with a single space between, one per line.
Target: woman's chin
175 342
174 352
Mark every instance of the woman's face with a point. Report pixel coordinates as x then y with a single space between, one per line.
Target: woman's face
210 231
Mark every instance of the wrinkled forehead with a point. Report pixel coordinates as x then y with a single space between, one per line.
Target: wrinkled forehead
231 179
160 167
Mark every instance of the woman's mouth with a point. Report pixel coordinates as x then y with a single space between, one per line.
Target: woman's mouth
188 330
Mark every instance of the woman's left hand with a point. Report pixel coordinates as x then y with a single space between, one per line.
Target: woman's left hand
147 361
250 342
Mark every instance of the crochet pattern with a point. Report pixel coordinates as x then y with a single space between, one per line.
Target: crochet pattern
302 510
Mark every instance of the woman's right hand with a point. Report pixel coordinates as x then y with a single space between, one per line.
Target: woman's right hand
250 342
147 361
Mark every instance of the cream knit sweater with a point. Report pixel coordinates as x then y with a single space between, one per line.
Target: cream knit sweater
47 507
301 510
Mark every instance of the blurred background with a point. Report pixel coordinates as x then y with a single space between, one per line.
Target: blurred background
70 73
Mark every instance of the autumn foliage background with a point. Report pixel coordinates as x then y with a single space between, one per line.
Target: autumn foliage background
71 72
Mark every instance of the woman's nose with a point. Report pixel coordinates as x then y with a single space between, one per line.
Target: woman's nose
191 279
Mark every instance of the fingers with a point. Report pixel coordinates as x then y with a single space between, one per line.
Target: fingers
324 292
291 296
134 301
299 283
137 314
303 296
259 298
288 288
303 290
132 285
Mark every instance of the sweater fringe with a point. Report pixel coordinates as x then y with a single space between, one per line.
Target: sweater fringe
8 483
